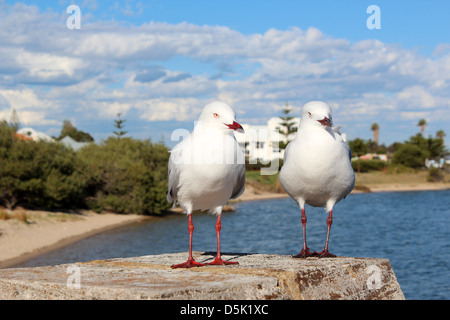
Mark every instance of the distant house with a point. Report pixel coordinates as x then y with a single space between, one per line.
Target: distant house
432 163
261 142
372 156
34 135
18 136
29 134
74 145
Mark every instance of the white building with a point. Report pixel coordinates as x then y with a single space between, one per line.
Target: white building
74 145
261 142
35 135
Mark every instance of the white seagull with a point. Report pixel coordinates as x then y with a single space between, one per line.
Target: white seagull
317 167
206 169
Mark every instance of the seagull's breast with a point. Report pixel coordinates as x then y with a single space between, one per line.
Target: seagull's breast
208 176
317 168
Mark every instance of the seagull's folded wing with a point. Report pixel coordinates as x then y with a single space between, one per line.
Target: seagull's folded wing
239 186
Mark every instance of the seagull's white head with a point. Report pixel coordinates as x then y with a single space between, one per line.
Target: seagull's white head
317 113
221 116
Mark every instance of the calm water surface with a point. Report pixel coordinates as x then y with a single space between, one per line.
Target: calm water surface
408 228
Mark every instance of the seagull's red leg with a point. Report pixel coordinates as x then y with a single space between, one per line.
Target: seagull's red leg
218 260
190 262
305 252
324 253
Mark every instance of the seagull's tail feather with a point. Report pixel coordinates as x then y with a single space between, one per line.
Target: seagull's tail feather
169 197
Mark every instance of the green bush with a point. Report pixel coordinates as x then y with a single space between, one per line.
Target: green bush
126 176
368 165
410 155
435 175
119 175
38 174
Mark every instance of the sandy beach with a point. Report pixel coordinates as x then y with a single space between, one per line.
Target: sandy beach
45 231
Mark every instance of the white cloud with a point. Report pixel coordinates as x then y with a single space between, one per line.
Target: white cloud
47 66
32 110
24 99
416 96
109 67
169 109
110 109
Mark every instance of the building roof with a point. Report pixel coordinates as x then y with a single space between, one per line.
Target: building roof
35 135
75 145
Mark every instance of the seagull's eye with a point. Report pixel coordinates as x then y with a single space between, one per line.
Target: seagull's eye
309 114
215 115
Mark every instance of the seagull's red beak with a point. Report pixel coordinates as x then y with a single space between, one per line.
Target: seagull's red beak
235 126
326 122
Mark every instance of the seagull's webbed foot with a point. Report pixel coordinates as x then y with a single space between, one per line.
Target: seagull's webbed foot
188 264
324 254
219 262
305 253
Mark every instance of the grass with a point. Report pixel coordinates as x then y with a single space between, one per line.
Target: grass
268 183
409 178
29 217
256 176
62 217
19 215
364 180
4 215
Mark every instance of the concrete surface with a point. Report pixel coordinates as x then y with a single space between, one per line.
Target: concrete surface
258 276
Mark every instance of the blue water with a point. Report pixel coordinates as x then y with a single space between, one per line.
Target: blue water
408 228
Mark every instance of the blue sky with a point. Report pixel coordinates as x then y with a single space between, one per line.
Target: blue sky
160 62
413 24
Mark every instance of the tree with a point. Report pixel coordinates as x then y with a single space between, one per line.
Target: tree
394 147
422 124
410 155
287 122
440 134
376 131
126 176
14 121
68 129
38 174
432 147
119 124
358 148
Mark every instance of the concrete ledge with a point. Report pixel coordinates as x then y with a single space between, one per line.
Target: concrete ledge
258 276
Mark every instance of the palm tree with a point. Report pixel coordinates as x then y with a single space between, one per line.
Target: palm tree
440 134
422 124
376 132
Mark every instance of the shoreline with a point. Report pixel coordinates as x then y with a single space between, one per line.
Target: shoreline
20 242
404 187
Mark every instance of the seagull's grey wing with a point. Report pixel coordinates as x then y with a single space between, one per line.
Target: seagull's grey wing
349 151
337 129
171 194
174 174
239 185
286 150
